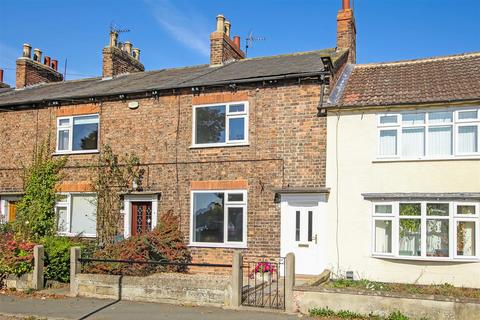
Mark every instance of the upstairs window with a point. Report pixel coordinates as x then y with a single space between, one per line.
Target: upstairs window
429 135
222 124
77 134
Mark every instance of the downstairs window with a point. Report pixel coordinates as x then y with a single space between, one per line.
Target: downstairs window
76 214
219 218
431 230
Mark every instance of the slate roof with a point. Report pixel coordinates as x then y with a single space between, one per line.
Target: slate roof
432 80
247 70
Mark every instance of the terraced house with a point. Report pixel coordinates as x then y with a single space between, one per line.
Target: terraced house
236 148
403 165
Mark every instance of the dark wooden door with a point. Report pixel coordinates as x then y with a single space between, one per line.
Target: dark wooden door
141 217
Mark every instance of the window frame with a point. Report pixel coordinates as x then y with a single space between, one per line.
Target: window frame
69 128
453 218
68 205
454 124
228 115
227 204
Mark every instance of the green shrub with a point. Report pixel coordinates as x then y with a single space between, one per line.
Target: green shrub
165 243
321 312
57 257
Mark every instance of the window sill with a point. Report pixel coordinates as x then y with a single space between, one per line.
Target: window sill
69 153
69 234
218 245
426 159
427 259
219 145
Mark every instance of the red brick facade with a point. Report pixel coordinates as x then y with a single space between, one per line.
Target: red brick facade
286 148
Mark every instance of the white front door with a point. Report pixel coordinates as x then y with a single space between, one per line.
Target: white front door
303 231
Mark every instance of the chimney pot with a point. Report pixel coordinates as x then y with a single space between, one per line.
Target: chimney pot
345 4
113 38
46 61
236 40
136 53
128 47
55 64
27 51
1 75
228 27
221 23
37 55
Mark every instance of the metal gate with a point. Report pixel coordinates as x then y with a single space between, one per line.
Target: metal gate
265 285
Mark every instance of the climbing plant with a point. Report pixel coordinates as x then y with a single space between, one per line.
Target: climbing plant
115 176
36 210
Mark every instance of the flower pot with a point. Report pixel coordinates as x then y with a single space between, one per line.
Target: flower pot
265 277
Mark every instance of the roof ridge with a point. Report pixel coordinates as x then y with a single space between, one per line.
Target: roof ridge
287 54
420 60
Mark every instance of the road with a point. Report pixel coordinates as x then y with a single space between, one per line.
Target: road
83 308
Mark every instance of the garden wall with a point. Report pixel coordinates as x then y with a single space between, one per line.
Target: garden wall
21 283
414 306
194 289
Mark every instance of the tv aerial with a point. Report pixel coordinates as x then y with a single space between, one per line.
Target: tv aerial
250 39
117 29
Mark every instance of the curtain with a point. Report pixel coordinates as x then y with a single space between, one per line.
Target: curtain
388 142
467 139
413 142
440 141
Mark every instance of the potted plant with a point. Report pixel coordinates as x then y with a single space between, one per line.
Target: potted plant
263 272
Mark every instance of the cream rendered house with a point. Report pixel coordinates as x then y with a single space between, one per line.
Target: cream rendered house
403 168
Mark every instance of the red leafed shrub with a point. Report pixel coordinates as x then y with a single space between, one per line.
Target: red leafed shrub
16 256
165 243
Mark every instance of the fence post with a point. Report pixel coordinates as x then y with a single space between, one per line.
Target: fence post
38 256
75 268
237 279
289 282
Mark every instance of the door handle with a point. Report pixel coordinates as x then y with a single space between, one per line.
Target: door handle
315 239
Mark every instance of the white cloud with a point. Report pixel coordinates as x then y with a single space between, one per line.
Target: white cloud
186 25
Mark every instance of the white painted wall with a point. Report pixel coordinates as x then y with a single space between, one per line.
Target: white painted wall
352 170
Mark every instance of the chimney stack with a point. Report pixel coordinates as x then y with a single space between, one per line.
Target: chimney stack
346 31
222 47
55 65
119 58
2 85
32 71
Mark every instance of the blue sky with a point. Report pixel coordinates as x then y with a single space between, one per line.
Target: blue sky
172 33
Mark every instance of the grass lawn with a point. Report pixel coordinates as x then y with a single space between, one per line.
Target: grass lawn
442 289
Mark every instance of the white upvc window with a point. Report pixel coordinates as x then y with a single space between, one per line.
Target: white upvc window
76 214
218 218
78 134
426 230
436 134
223 124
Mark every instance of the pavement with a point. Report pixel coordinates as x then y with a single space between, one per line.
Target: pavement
85 308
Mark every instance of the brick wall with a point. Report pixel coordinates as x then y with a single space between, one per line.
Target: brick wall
29 72
286 149
347 33
117 61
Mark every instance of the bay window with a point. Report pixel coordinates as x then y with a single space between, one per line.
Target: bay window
76 214
77 134
219 218
429 135
431 230
222 124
